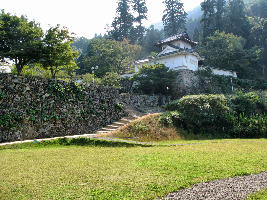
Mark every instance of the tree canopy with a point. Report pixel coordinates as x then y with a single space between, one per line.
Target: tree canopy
236 21
174 17
57 52
225 51
123 22
128 14
154 79
20 40
139 6
110 56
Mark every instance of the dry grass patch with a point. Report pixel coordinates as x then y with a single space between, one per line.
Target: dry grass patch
149 128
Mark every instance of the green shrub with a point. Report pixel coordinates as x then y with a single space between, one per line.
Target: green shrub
204 112
246 103
254 126
241 116
263 101
6 120
200 114
166 119
171 106
172 118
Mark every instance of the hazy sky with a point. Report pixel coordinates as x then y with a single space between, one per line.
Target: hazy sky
83 17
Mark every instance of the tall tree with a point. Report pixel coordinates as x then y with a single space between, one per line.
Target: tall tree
257 8
191 25
236 19
80 44
196 35
213 17
123 22
259 39
207 21
219 16
139 6
57 52
20 40
226 51
110 56
152 36
154 79
174 17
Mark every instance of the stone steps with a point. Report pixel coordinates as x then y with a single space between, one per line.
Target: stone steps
115 125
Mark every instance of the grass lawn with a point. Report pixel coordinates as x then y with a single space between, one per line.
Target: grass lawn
262 195
211 141
82 172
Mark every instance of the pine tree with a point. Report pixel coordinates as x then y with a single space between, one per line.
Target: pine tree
258 39
196 35
257 8
219 16
207 21
151 37
174 17
139 6
236 19
213 17
123 22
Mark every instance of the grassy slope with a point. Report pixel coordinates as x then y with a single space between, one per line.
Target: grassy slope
122 173
149 128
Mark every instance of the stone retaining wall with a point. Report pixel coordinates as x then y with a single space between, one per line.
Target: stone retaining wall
186 82
32 108
143 100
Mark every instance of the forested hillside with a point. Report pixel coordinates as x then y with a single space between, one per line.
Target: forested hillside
231 35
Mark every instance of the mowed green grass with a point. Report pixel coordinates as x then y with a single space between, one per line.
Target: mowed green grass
262 195
123 172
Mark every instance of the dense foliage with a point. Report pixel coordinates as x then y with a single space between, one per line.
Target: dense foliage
123 24
209 83
241 115
109 79
226 51
242 21
24 42
154 79
110 56
174 17
20 40
57 52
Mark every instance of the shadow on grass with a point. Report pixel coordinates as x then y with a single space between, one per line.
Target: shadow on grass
73 142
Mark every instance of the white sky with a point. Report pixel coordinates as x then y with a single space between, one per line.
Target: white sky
83 17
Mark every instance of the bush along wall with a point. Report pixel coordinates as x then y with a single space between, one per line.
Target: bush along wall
31 108
209 83
204 82
239 116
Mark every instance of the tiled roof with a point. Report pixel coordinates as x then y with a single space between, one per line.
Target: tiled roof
176 51
182 36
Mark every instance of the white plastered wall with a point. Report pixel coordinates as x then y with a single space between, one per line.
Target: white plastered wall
176 62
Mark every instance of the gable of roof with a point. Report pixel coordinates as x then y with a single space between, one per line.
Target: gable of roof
168 49
182 36
180 52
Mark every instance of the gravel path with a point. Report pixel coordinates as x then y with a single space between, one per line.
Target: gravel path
229 188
